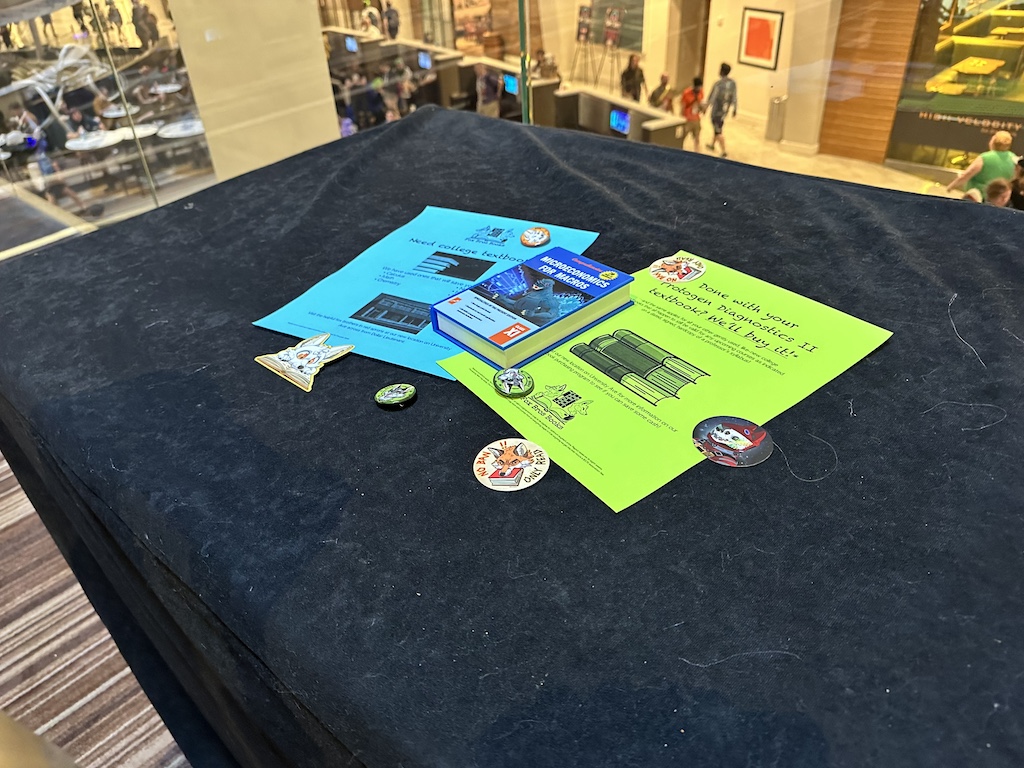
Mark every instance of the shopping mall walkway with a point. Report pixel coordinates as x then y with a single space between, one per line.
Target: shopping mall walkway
746 143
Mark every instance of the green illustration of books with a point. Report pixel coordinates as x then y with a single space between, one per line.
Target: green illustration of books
643 368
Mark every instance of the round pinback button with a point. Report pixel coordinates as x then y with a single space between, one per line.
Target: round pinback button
535 236
395 396
732 441
677 269
511 464
513 382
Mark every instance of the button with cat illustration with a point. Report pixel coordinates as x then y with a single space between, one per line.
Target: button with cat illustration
394 397
535 237
512 382
510 464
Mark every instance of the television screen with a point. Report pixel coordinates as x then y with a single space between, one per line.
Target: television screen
424 60
618 121
351 44
511 84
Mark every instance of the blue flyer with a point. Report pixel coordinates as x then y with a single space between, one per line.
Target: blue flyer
381 300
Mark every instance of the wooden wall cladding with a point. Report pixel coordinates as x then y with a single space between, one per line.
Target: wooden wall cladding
872 48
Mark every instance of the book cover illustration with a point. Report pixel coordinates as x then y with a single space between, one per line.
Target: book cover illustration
507 307
532 295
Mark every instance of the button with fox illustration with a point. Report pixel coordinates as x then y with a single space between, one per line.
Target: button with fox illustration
510 464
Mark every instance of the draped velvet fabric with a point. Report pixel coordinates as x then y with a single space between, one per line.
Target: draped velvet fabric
328 584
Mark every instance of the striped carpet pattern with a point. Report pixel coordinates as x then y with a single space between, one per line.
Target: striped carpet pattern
61 675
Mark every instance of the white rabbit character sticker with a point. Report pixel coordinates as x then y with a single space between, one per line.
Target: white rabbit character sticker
299 364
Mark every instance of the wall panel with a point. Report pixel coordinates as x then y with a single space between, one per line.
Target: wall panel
872 47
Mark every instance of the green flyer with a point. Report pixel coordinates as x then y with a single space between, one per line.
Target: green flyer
617 406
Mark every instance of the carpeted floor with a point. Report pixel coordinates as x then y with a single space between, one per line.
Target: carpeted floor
60 673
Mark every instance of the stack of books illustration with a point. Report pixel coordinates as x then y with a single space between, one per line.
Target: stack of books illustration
643 368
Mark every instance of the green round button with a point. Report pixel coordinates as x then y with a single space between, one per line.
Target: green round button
513 382
395 395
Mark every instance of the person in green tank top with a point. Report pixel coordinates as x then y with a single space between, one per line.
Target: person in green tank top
997 163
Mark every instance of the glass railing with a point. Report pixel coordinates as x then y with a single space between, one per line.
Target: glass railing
112 107
100 120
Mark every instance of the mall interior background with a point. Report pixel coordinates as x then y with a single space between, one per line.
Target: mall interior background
901 93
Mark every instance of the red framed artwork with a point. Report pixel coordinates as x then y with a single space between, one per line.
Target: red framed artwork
759 38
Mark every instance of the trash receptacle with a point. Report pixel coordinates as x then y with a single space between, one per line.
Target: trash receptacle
776 118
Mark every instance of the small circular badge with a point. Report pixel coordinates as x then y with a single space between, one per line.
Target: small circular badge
395 396
732 442
535 236
510 464
513 382
609 275
677 269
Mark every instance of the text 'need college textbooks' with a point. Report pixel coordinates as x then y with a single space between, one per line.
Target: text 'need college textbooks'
519 314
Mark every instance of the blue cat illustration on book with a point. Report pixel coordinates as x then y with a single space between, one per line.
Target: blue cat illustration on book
532 296
539 304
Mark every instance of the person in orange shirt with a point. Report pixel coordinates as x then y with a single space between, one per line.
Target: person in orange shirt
692 106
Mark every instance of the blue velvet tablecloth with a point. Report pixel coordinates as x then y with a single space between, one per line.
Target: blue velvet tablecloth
330 585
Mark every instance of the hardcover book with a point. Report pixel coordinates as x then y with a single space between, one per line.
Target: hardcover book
521 313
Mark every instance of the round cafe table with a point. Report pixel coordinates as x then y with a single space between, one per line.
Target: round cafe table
142 130
13 139
159 89
183 129
95 140
118 111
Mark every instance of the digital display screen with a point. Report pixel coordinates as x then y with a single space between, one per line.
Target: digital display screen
351 44
618 121
424 60
511 84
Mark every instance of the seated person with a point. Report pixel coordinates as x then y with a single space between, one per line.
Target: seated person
79 124
1017 186
997 193
152 103
54 189
25 121
140 92
100 103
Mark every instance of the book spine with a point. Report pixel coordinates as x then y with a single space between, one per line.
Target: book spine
618 372
666 358
640 364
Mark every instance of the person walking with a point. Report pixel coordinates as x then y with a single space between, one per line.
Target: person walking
391 20
997 163
152 29
488 92
78 11
114 18
47 20
721 100
139 23
691 107
632 79
661 97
